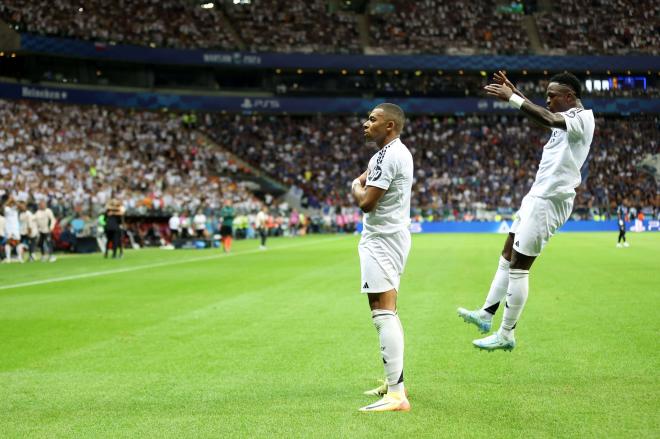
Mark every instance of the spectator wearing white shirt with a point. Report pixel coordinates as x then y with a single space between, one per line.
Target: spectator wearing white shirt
199 223
175 226
27 229
45 223
260 224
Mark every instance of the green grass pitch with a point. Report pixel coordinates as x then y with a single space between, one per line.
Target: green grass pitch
280 343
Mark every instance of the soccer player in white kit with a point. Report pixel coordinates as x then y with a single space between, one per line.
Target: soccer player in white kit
383 194
545 208
12 230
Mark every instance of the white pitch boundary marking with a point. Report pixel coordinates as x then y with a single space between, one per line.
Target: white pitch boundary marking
160 264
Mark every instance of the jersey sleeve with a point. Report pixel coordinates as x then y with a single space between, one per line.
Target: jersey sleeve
383 173
575 123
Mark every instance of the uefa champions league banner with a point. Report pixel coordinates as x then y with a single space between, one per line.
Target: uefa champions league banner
155 101
126 52
505 226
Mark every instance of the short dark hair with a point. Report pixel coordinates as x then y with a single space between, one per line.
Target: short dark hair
395 112
569 80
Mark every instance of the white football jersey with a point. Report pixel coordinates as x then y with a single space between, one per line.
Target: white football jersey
564 155
11 223
391 169
45 220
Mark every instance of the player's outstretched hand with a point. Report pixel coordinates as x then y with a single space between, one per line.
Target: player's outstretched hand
499 91
500 78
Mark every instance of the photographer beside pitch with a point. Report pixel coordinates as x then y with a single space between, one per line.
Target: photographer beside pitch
546 207
383 194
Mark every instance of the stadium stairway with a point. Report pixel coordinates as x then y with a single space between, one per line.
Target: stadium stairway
363 30
529 24
9 38
544 6
226 23
261 182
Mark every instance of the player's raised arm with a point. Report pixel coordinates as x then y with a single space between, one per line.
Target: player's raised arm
500 78
535 112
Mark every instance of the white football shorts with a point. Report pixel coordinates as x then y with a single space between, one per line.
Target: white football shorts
382 259
536 221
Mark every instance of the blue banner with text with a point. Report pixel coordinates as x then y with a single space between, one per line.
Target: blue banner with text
505 226
185 102
141 54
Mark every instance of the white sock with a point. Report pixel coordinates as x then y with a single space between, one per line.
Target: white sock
19 251
390 333
8 251
515 300
497 289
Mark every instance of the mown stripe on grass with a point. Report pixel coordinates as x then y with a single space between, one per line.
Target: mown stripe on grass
160 264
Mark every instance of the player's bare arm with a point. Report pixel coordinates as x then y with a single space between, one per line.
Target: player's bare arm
500 78
363 178
535 112
366 197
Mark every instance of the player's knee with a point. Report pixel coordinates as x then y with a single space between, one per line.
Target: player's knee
385 300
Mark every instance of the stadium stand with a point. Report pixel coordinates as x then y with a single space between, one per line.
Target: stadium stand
606 27
168 23
463 164
401 83
316 26
76 157
285 26
467 167
453 27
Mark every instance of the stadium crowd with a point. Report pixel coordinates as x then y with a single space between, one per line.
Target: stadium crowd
262 25
607 27
168 23
452 27
78 157
396 26
404 83
469 167
465 166
286 26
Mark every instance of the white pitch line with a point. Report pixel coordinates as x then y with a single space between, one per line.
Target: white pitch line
160 264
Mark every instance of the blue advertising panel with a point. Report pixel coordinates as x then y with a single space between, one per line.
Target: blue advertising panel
154 101
125 52
504 226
